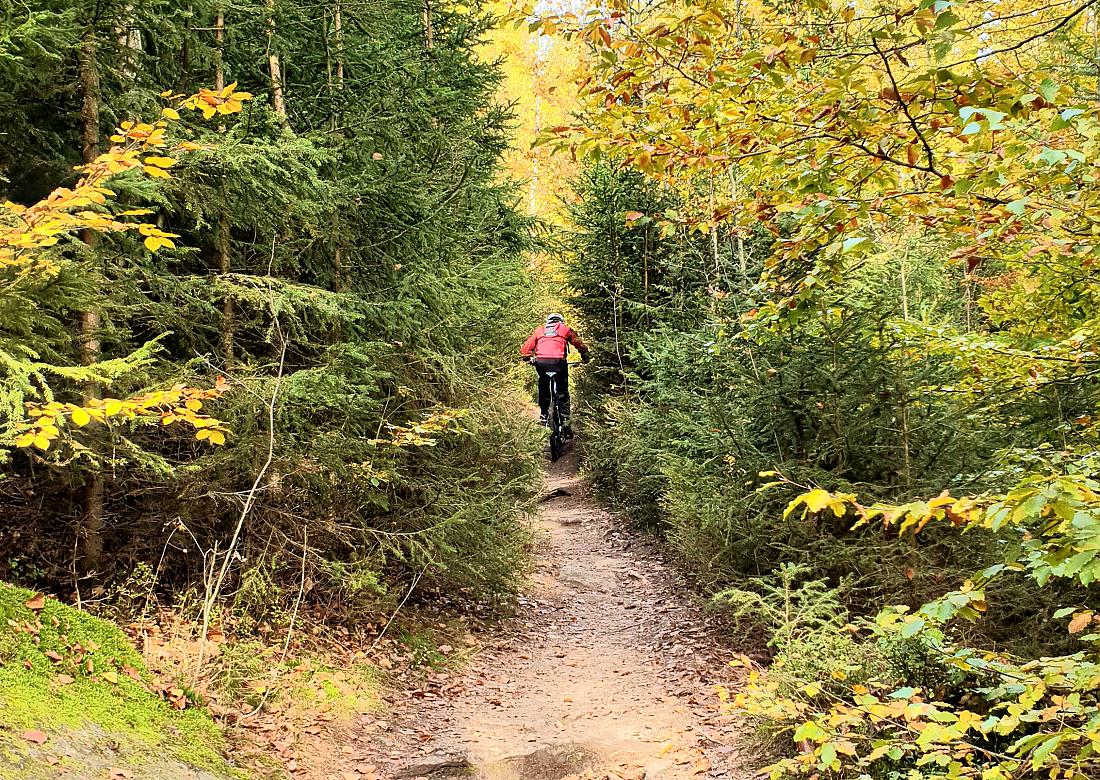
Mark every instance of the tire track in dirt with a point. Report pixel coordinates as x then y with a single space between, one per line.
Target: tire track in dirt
607 671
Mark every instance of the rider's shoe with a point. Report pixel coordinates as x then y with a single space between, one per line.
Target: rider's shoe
567 432
544 421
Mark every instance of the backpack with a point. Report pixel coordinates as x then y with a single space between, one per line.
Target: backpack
550 331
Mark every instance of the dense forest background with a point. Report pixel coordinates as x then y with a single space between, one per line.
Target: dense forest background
348 257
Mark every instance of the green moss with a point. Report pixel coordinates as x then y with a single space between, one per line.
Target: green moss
37 649
330 690
423 645
344 693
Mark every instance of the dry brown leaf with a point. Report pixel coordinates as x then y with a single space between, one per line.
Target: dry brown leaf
1080 621
35 736
35 602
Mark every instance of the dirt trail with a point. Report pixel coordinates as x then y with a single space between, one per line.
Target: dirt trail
607 671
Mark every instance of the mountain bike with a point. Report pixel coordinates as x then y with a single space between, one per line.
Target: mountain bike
555 420
558 439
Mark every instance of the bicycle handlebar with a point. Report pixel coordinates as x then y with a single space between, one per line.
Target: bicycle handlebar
531 361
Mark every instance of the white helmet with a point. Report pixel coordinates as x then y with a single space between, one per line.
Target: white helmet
552 318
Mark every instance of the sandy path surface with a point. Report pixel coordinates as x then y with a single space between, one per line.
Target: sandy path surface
606 672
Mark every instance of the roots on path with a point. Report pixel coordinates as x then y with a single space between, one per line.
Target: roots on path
607 671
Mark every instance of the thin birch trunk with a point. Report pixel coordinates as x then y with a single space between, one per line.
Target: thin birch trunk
278 101
426 14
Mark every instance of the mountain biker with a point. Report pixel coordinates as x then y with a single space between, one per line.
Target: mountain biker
548 348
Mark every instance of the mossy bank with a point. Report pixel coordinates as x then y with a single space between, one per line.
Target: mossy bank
74 697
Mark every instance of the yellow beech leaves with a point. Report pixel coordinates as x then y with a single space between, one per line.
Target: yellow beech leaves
1053 522
1041 720
1015 719
424 433
180 404
26 231
213 102
828 121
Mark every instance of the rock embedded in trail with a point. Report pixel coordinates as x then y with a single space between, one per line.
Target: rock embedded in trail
584 578
556 492
449 765
552 762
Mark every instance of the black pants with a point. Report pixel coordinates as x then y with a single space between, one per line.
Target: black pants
561 370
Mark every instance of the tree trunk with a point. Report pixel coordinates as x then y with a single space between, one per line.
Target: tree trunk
222 235
334 61
904 275
339 282
714 256
219 38
185 51
275 69
338 27
532 197
129 41
426 13
227 326
92 542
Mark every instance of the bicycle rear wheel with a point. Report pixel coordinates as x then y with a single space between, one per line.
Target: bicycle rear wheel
557 439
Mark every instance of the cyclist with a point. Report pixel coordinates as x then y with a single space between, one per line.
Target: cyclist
548 348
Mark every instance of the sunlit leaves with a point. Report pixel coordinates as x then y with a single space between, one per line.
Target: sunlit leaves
819 500
1040 715
424 433
845 119
1048 709
1052 521
214 102
53 421
26 231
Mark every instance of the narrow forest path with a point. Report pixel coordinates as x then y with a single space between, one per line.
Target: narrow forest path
607 671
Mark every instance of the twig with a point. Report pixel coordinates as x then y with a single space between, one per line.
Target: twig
276 673
905 108
399 606
230 550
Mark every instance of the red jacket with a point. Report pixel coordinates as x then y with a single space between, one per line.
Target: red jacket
551 342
